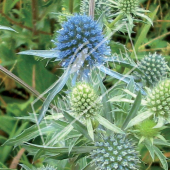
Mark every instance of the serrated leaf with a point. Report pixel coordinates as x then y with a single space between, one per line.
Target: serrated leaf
133 110
150 149
114 74
58 150
89 166
108 124
42 53
77 124
57 87
161 157
90 128
161 142
139 118
106 104
30 133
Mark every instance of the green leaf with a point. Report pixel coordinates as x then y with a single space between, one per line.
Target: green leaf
161 142
161 157
90 128
143 33
58 150
6 28
34 72
106 104
108 124
89 166
76 124
150 149
133 110
56 88
139 118
30 133
41 53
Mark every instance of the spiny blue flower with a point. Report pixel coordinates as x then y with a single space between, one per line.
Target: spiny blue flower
116 152
81 37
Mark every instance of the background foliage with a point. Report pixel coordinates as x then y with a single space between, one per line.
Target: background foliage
35 24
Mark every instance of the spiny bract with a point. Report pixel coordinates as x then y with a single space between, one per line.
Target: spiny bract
84 100
158 101
48 167
154 67
146 129
82 38
116 152
128 6
100 6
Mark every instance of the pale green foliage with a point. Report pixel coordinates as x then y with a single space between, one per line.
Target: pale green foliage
100 7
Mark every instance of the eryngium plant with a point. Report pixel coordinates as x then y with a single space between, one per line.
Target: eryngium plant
84 100
154 68
128 9
116 152
158 101
100 6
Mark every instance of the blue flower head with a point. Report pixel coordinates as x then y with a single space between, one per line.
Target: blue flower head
81 38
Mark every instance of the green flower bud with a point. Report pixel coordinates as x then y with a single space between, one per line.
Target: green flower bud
146 129
154 67
128 6
84 100
116 152
158 101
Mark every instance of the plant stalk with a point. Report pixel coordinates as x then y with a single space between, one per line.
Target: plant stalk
119 17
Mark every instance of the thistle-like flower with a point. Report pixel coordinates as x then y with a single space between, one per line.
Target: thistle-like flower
158 101
100 6
116 152
48 167
84 100
154 68
129 9
81 39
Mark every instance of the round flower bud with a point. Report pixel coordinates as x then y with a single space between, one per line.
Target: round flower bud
128 6
158 101
81 39
116 152
154 67
84 100
48 167
146 129
100 6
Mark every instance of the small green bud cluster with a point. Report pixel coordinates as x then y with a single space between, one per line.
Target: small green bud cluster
84 100
154 67
100 5
158 101
128 6
116 152
146 129
48 167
